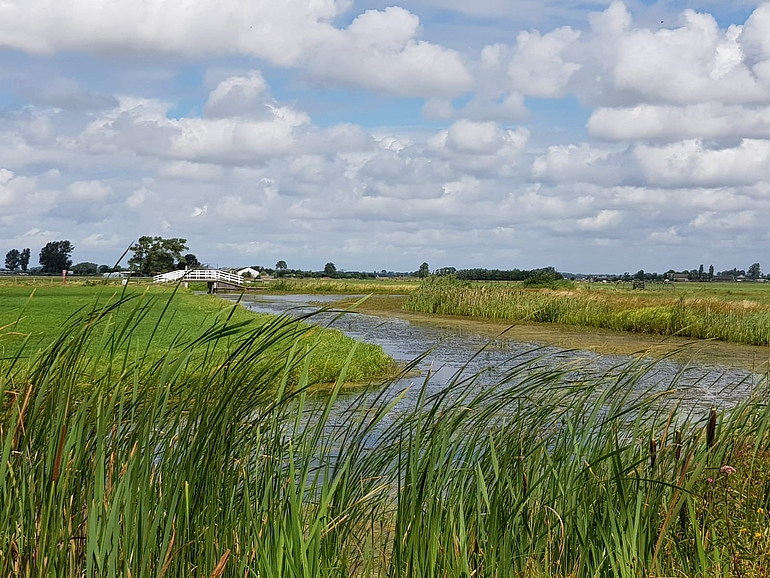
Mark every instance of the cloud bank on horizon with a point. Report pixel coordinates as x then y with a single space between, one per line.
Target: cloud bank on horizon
628 136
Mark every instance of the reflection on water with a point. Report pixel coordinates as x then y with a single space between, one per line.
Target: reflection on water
450 350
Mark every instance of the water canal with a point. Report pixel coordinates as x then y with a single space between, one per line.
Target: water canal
447 350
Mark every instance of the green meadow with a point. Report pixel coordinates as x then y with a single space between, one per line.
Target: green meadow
157 319
737 313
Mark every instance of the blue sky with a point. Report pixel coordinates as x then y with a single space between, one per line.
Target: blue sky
591 136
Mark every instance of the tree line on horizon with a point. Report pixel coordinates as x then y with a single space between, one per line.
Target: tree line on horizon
754 272
154 255
54 258
151 255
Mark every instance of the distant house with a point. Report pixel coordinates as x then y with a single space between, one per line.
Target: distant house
253 273
724 278
116 275
679 277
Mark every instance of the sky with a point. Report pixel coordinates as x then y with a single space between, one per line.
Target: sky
591 136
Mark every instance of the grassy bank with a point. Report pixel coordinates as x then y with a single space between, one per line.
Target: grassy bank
341 286
711 313
182 467
159 319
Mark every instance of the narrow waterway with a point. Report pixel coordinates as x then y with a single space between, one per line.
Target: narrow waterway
449 350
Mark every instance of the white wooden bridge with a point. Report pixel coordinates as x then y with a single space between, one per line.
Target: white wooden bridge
217 280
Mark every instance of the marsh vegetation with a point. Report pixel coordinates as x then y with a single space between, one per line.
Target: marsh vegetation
341 286
702 312
212 459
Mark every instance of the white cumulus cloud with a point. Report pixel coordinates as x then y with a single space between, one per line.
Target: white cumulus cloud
381 50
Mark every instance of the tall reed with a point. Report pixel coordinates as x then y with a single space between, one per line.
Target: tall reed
737 322
196 463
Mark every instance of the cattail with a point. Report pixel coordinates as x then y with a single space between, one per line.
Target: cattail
653 453
678 444
711 430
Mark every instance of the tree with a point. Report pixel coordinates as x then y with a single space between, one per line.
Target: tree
85 268
154 255
55 256
711 272
190 261
24 259
103 269
423 271
639 275
12 259
700 272
755 271
330 270
281 265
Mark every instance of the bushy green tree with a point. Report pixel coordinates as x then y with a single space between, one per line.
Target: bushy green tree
24 259
755 271
190 261
330 270
154 255
12 259
548 276
423 271
85 268
55 256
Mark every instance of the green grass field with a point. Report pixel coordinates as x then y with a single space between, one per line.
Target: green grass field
737 313
759 292
32 317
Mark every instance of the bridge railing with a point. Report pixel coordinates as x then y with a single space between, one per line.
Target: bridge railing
199 275
170 276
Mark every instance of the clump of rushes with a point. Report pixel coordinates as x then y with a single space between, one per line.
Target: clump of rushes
196 463
654 313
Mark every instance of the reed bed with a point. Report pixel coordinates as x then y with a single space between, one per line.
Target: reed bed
194 465
745 321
